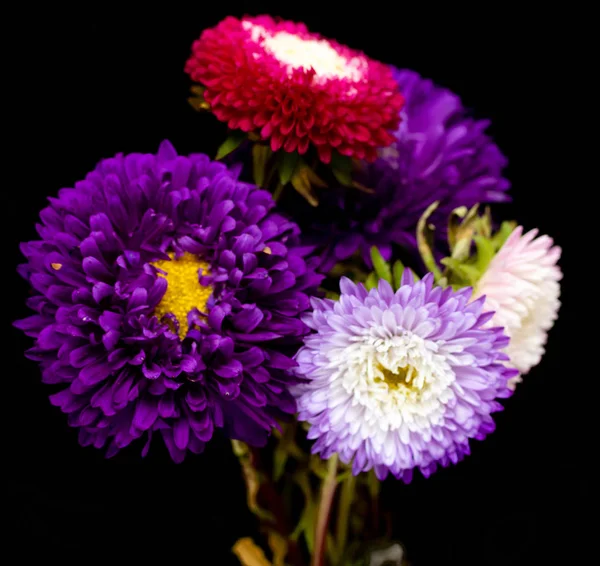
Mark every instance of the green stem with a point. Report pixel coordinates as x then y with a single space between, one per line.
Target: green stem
274 516
325 503
346 498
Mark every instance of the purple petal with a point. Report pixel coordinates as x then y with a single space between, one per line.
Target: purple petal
146 413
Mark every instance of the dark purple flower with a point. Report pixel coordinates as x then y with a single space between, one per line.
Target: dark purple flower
167 299
440 153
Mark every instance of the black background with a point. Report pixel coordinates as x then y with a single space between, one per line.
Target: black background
90 83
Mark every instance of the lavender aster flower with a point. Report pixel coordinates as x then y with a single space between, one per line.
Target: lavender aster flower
402 380
440 153
167 299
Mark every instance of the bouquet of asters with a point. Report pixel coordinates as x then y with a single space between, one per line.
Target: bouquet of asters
330 292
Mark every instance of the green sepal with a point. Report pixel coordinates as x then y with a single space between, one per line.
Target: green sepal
485 252
287 165
468 274
343 178
393 274
382 267
341 166
454 222
465 228
303 180
506 229
197 101
462 225
371 281
397 271
260 157
235 138
333 295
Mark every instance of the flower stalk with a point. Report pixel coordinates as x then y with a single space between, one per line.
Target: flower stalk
324 511
343 515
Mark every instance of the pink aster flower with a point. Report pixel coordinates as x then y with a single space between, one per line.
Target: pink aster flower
296 89
521 285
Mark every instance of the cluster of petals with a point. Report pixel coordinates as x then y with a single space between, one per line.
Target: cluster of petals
522 286
400 380
295 88
122 373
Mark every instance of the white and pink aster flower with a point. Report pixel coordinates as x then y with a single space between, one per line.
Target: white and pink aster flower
521 285
400 380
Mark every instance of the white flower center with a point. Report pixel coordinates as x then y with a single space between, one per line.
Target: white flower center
298 53
395 382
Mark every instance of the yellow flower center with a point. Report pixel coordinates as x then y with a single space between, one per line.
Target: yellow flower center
184 292
403 377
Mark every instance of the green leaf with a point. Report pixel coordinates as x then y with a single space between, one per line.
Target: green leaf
424 238
397 271
506 229
382 267
485 253
462 249
454 222
260 157
231 144
468 273
451 263
371 281
287 165
484 226
463 224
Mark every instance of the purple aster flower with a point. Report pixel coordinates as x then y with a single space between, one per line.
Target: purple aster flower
402 380
167 299
440 153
